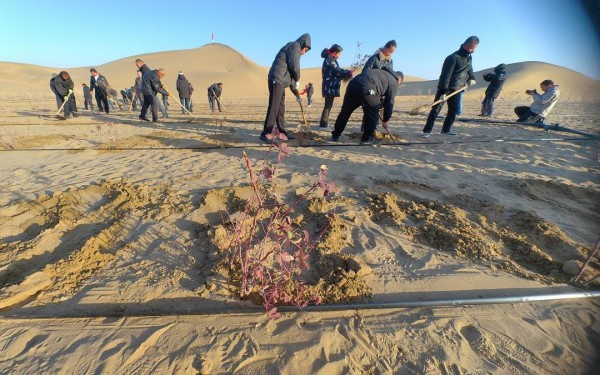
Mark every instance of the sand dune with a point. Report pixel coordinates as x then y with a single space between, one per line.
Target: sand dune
244 79
521 76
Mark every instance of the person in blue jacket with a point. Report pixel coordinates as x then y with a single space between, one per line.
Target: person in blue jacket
332 79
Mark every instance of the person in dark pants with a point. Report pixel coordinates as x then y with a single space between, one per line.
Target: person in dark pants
542 103
87 97
332 79
64 86
151 85
99 83
137 91
214 95
457 72
142 69
367 90
496 80
185 89
284 72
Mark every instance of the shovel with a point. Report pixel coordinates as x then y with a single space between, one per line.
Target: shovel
62 106
387 130
421 108
303 117
181 105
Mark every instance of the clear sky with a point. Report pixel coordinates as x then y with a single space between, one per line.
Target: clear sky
76 33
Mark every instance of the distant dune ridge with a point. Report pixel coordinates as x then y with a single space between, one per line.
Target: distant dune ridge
244 79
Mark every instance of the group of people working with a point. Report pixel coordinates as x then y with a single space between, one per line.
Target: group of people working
374 89
376 86
145 91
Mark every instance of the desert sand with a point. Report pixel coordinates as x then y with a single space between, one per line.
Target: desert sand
112 232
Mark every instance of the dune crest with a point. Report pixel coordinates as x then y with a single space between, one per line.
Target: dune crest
244 79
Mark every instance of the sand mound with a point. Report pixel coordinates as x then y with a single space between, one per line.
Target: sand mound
244 79
70 236
521 76
332 277
514 241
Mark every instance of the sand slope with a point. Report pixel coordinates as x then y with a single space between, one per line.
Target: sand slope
244 79
521 76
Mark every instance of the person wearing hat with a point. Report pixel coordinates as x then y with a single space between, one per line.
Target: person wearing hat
371 90
332 79
496 80
457 72
185 89
284 72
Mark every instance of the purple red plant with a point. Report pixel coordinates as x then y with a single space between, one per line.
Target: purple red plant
268 251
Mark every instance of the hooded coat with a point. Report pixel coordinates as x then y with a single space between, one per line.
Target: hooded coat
496 80
286 66
456 71
63 86
151 84
184 87
332 75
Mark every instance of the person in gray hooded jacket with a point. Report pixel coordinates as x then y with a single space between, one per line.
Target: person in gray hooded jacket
284 72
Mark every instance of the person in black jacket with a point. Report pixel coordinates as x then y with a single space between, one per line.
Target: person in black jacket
87 97
185 89
142 67
214 95
64 86
367 90
332 79
57 96
99 83
151 85
457 72
284 72
382 59
496 80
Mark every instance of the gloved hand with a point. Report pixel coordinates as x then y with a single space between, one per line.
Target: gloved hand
299 99
296 85
443 98
471 82
384 124
70 92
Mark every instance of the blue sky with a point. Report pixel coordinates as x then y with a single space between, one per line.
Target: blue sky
65 34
